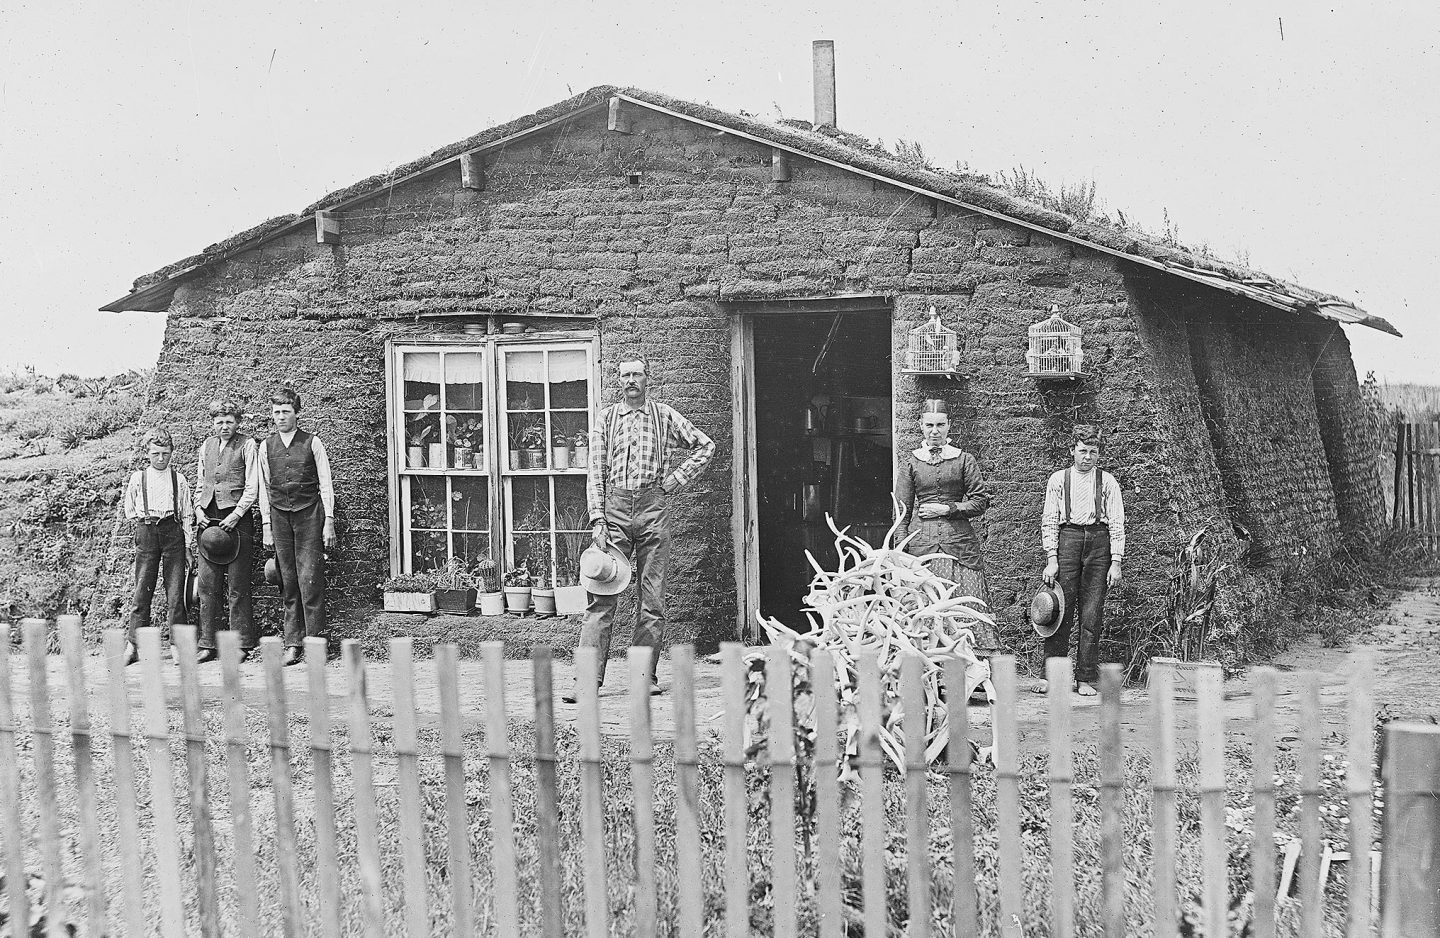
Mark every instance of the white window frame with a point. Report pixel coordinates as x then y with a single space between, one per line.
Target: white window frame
496 465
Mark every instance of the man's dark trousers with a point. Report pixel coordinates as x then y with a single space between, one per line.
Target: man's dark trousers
158 547
1084 558
300 554
236 576
639 528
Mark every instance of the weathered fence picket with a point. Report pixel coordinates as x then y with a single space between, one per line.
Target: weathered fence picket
127 815
688 850
36 637
237 772
642 785
166 834
737 875
86 803
174 904
964 902
407 779
322 765
198 782
362 772
1263 760
457 822
281 784
14 828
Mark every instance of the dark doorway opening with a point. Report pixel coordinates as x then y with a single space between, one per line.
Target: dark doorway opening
823 444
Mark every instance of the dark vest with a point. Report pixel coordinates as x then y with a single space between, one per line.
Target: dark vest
294 480
222 475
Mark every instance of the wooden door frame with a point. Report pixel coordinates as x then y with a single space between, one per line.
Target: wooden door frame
744 514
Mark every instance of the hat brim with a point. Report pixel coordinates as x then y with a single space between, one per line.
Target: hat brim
1047 629
221 558
610 587
192 591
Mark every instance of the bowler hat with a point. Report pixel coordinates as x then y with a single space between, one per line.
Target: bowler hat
604 572
192 591
218 545
1047 609
272 572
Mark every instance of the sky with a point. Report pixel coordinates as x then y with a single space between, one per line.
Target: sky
1300 137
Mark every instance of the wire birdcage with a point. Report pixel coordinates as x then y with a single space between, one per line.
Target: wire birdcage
933 349
1055 350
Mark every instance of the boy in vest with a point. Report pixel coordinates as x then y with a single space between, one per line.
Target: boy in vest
1083 532
297 509
227 485
158 501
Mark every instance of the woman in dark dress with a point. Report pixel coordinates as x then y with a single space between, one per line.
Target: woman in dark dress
940 489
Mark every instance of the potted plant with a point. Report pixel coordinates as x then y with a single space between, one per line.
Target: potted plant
410 592
532 447
517 591
455 589
543 596
487 579
571 540
415 444
560 450
581 459
468 436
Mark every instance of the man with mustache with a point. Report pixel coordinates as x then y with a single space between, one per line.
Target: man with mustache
627 491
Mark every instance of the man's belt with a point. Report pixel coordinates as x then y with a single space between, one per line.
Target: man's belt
1085 527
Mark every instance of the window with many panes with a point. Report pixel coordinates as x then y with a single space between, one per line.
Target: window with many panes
489 449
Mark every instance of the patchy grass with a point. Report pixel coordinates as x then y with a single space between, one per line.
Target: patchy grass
620 846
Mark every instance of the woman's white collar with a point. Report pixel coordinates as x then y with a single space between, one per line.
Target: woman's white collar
946 452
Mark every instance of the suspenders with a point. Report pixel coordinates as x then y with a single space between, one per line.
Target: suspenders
174 493
1097 496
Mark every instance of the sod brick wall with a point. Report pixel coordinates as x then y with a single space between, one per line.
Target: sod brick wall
559 229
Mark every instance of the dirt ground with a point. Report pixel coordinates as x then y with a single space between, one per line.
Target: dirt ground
1404 644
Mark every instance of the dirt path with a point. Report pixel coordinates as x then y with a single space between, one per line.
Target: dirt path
1406 645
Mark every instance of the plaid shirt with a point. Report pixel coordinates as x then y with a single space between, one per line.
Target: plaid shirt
641 445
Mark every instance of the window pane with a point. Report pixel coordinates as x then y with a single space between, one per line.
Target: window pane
528 449
530 503
470 503
421 430
465 432
464 381
568 546
472 548
422 380
569 379
570 511
427 551
532 551
427 503
571 429
525 381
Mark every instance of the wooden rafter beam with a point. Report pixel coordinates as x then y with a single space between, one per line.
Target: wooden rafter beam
619 117
472 171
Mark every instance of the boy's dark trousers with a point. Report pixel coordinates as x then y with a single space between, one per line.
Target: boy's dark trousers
300 554
1084 557
236 578
159 547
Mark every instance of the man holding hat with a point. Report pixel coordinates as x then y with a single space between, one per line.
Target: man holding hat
1083 533
227 475
627 490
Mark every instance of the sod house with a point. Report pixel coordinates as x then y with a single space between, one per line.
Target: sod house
453 325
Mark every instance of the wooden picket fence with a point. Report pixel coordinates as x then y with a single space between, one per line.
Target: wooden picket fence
1417 482
202 914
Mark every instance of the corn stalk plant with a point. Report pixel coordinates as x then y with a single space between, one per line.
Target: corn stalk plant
882 600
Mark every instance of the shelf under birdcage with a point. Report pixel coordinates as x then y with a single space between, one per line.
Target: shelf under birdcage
948 373
1057 375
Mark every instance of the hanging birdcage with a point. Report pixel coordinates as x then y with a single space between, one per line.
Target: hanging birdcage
933 349
1055 350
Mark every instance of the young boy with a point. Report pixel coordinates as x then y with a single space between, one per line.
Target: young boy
158 501
297 509
1083 533
227 484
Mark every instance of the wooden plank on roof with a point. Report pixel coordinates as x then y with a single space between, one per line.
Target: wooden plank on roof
472 171
619 120
779 165
327 227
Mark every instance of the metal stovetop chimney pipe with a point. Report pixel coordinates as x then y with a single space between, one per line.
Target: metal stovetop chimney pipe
823 51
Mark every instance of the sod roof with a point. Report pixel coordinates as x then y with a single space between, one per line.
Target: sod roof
825 144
